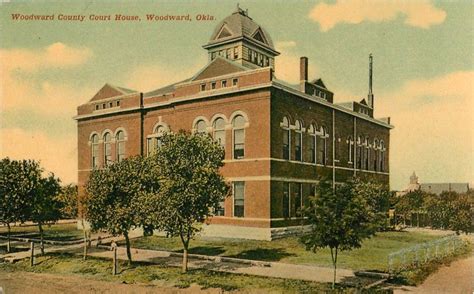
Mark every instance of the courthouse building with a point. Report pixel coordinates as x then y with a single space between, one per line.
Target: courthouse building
279 139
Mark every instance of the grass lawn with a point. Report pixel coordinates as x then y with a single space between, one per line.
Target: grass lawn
56 232
100 269
371 256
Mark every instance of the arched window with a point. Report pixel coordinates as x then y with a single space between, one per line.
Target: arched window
312 143
298 141
286 138
107 149
238 129
201 127
359 153
322 146
154 141
375 158
367 153
219 131
120 145
350 146
95 151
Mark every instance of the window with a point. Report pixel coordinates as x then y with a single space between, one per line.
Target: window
236 52
250 54
367 154
219 131
203 87
213 85
359 153
267 61
118 103
298 141
336 148
235 82
228 53
97 107
322 146
238 125
350 146
239 199
120 145
382 156
254 57
154 142
220 211
95 151
286 138
107 149
224 83
260 59
213 55
110 104
103 106
286 200
298 199
201 126
375 157
312 144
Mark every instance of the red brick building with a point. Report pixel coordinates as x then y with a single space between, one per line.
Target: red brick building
279 139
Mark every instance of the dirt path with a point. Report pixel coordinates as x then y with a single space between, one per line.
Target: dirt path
458 277
34 283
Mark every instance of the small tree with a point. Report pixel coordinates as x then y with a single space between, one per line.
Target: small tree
68 201
43 206
378 198
411 202
340 219
18 180
191 186
111 202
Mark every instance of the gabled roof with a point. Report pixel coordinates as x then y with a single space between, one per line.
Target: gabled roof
218 67
319 82
363 102
164 90
109 91
238 25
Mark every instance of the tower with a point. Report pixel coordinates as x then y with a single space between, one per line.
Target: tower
370 97
238 38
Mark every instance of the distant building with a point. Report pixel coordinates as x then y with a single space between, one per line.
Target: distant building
433 188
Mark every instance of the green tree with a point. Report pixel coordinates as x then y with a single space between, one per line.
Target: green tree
409 203
18 181
340 219
190 186
43 207
378 197
450 210
111 203
68 201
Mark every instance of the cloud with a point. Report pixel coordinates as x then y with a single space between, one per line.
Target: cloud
147 77
22 84
56 155
421 13
287 65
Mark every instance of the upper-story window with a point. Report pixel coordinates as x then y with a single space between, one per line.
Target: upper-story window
203 87
107 149
117 103
95 151
238 129
213 85
224 83
375 157
286 138
219 131
312 143
382 156
367 153
322 146
359 153
213 55
298 141
267 61
201 126
236 52
337 145
228 53
235 82
350 146
120 145
239 199
154 141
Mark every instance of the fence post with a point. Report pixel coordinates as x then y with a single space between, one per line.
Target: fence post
32 257
114 267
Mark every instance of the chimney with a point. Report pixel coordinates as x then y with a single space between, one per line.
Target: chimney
303 72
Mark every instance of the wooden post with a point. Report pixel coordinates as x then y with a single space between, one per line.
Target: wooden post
114 266
32 257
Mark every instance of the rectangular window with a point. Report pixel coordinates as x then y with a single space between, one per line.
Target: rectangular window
95 155
120 151
239 144
203 87
118 103
239 199
213 55
228 53
254 57
321 149
108 153
286 200
235 82
213 85
103 106
298 200
250 54
110 104
359 157
267 61
236 52
367 158
97 107
260 59
286 144
150 146
220 211
298 141
223 83
219 136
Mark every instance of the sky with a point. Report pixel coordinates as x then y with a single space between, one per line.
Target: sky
423 69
